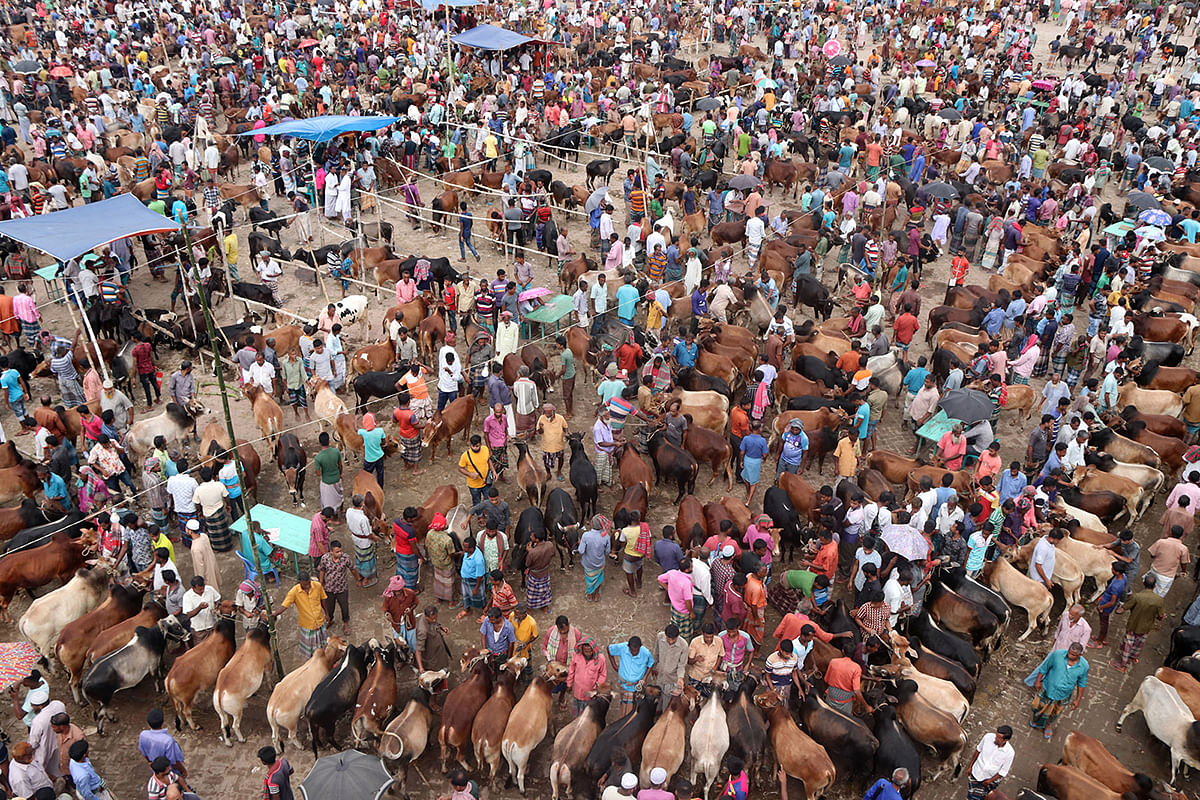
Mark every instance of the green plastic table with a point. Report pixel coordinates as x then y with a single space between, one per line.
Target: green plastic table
552 311
284 530
933 430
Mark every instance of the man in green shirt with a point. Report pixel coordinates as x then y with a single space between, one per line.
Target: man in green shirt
329 461
567 359
294 377
1145 609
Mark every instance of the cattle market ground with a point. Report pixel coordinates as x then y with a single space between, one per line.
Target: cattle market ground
221 772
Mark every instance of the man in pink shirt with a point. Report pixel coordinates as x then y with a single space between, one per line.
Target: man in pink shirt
1072 628
26 311
1190 488
679 592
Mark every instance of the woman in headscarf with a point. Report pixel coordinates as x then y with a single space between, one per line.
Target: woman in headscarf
1060 348
992 235
399 603
93 493
1023 364
440 548
154 491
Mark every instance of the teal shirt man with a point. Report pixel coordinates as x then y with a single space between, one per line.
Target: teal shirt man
627 297
1060 679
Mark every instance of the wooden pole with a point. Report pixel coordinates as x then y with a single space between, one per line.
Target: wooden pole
87 324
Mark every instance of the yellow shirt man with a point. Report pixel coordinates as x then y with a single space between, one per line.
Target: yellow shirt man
310 614
526 630
231 249
554 432
475 463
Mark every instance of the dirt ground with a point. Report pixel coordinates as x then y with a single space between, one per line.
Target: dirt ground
220 772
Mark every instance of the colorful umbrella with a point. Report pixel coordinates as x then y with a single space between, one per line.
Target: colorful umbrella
1155 216
308 43
1150 232
223 61
925 63
832 48
767 83
533 294
61 72
16 660
1043 84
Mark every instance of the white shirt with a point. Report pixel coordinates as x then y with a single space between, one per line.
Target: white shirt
360 527
1044 553
449 374
205 618
702 582
992 760
182 488
159 569
262 374
896 596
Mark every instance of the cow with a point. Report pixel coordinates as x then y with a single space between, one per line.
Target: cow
239 679
747 727
335 695
198 668
76 638
689 522
293 463
896 749
673 463
462 704
1069 783
930 726
531 473
372 358
174 425
849 742
128 665
562 526
945 643
600 168
939 692
26 515
33 568
1090 757
289 698
1150 401
575 740
1183 683
632 467
964 616
46 616
583 477
487 731
377 697
326 405
628 732
456 417
111 638
407 735
267 414
956 578
1169 720
370 385
1021 591
665 744
798 755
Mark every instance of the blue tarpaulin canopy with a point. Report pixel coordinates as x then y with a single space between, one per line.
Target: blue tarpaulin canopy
72 232
322 129
489 37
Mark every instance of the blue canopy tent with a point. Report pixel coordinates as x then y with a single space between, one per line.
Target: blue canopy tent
70 233
489 37
323 129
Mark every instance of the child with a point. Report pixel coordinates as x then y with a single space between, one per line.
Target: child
503 597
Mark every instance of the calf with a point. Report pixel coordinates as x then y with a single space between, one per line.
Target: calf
76 638
335 695
377 697
632 467
198 668
689 522
798 756
1021 591
370 385
239 679
456 417
1068 783
673 463
267 413
575 740
531 473
125 667
1169 720
290 695
372 358
49 614
292 462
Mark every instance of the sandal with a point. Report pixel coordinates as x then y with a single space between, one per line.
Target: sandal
1047 733
1117 667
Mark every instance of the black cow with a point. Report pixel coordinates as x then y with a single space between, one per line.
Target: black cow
673 463
254 292
529 523
695 381
374 384
1185 641
316 258
600 168
1168 354
266 219
816 369
335 695
629 729
944 643
669 143
958 580
811 403
941 667
811 292
562 524
562 194
24 362
849 743
439 269
707 179
293 463
73 524
583 478
779 508
542 176
896 750
259 241
127 666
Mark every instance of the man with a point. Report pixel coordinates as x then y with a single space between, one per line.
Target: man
26 776
200 605
1041 563
334 570
157 742
1169 556
553 428
66 733
1145 609
277 783
1072 628
182 387
329 462
88 784
632 663
670 663
1060 678
843 681
594 547
889 789
498 637
163 777
308 596
41 734
990 763
433 651
473 465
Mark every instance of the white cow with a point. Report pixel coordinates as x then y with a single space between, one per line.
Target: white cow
350 308
1169 720
49 614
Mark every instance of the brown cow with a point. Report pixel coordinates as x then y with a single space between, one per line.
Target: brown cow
463 704
689 522
530 720
487 732
532 474
1187 686
444 206
18 481
632 467
365 484
239 679
455 417
1068 783
801 493
778 172
728 233
33 568
372 358
798 756
198 668
430 333
440 501
411 313
119 635
1090 757
711 448
77 637
636 499
665 744
789 383
376 696
893 466
267 413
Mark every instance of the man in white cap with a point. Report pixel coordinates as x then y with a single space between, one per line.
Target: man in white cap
36 689
657 790
628 786
112 398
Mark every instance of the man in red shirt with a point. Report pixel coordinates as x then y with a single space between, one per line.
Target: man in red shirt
627 356
825 562
906 327
143 359
958 269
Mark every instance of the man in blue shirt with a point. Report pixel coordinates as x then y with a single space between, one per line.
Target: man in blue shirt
884 789
1191 226
54 487
1012 482
684 353
862 418
632 663
10 379
88 784
627 297
699 302
994 320
791 455
157 742
498 637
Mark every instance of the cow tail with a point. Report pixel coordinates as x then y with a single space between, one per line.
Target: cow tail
312 734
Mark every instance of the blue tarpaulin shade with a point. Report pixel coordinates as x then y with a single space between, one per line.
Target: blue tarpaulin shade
322 129
489 37
72 232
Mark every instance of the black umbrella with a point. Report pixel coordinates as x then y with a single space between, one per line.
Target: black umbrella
26 67
743 182
1161 164
708 103
941 190
952 114
350 774
968 405
1142 200
1131 123
839 61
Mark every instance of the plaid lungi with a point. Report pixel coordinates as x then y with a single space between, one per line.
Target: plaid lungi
785 600
592 580
72 392
297 397
443 584
32 331
1045 710
499 459
331 495
1131 647
840 699
977 790
409 568
683 621
550 459
183 518
1059 362
538 593
604 468
472 597
217 528
365 561
410 449
312 640
1020 379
